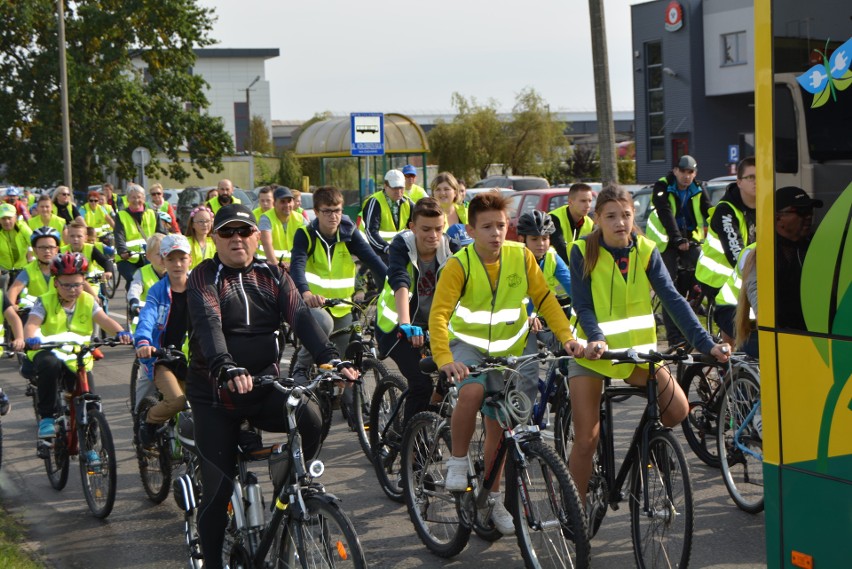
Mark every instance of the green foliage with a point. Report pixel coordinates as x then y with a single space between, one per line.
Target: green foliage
289 170
531 142
583 164
627 171
114 105
12 554
261 143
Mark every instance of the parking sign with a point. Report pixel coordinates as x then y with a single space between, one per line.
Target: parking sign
733 153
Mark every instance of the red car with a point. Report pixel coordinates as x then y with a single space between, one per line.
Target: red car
531 200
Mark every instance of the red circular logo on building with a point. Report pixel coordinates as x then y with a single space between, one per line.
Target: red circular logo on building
674 17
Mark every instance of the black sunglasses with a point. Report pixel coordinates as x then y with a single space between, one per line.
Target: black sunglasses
242 231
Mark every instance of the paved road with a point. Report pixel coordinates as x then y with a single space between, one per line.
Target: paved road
142 535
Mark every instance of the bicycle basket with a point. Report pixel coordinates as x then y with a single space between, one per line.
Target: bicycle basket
279 465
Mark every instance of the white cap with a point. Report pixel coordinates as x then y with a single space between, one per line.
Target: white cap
174 242
395 179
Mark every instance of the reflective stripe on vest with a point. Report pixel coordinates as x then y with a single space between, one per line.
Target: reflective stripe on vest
713 268
622 306
134 239
656 232
387 229
495 324
56 322
97 218
387 317
730 292
282 241
331 275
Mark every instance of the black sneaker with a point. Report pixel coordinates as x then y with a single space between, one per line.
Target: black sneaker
5 404
148 434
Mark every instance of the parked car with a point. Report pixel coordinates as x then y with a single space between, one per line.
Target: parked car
190 197
172 196
531 200
717 186
308 205
519 183
641 204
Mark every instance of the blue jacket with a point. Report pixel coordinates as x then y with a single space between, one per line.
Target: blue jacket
152 322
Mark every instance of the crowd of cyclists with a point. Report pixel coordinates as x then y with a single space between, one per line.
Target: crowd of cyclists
580 280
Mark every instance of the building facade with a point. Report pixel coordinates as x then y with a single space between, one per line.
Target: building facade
693 84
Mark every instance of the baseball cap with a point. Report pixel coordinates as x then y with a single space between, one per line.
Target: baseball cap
791 196
174 242
395 179
409 170
282 192
458 235
8 210
233 212
687 162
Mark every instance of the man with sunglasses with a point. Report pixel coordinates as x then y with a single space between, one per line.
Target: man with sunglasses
794 212
732 228
236 306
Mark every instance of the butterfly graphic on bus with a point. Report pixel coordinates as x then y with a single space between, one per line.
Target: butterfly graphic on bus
832 75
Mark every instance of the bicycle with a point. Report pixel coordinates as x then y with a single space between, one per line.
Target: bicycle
81 428
549 521
307 527
362 352
97 278
659 490
108 240
740 435
157 462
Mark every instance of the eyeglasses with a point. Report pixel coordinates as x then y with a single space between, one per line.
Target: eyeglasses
411 175
202 221
46 248
156 193
330 212
70 286
64 194
243 231
750 178
95 200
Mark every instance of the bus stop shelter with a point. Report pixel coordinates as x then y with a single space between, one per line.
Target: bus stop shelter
330 140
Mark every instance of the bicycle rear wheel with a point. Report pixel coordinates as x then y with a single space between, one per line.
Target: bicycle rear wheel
662 536
701 385
56 460
426 445
549 519
385 437
324 539
155 464
372 372
740 444
98 478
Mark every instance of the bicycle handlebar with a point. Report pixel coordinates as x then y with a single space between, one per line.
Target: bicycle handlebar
96 343
428 365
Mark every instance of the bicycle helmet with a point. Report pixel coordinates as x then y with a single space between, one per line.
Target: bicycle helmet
68 264
45 232
458 235
535 223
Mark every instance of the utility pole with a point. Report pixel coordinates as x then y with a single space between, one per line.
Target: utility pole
63 88
603 100
248 142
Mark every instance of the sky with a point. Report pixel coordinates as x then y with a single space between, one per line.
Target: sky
409 57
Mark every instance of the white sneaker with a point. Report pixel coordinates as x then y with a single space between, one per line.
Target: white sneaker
501 517
456 474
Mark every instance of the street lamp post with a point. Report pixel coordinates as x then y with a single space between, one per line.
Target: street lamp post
248 141
63 88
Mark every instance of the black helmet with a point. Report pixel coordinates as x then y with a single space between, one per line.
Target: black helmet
45 232
535 223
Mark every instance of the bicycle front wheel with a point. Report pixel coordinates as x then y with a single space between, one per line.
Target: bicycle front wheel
662 534
740 442
701 385
323 539
99 476
386 434
372 373
426 444
549 519
155 464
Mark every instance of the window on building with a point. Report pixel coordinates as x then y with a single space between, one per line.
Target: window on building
734 49
656 108
241 126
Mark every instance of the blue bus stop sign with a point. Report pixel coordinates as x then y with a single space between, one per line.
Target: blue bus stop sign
733 153
368 134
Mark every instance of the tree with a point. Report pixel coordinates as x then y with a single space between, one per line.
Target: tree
289 170
260 141
533 139
129 85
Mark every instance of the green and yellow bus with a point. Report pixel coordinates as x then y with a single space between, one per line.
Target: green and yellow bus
803 121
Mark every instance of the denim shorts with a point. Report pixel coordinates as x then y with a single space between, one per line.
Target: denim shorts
576 369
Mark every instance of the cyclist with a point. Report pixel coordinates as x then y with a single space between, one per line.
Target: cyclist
677 225
412 191
10 317
612 273
224 196
386 213
198 232
15 250
297 205
445 189
147 276
402 312
133 226
13 199
159 204
732 228
236 306
77 243
163 322
322 267
265 201
572 221
97 215
44 216
65 308
63 205
278 226
467 324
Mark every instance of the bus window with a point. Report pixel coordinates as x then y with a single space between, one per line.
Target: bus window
786 143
